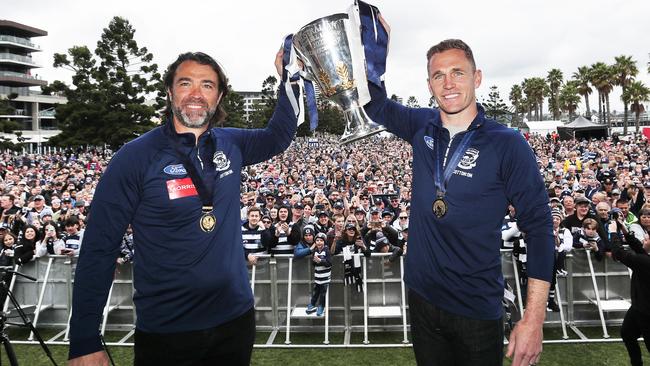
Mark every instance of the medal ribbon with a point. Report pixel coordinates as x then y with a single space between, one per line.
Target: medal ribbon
440 180
203 187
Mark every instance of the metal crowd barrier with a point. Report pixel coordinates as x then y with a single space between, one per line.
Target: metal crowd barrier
594 293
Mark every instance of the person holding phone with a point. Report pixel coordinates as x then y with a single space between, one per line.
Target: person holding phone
637 319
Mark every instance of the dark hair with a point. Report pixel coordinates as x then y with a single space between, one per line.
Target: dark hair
451 44
622 200
203 59
71 221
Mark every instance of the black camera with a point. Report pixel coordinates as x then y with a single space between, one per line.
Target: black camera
615 214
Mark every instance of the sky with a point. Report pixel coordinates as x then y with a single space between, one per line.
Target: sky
511 39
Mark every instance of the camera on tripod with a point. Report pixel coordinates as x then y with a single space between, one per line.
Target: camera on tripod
6 272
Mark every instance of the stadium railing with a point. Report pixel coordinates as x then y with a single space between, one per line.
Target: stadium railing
282 288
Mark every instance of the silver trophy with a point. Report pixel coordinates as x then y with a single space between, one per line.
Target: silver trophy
323 47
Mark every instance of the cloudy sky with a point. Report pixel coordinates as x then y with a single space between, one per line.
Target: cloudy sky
511 39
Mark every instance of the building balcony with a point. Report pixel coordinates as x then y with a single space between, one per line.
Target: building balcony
17 79
18 42
12 58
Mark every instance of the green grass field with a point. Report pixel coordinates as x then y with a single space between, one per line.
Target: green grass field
593 354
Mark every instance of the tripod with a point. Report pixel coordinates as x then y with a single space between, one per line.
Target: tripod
26 322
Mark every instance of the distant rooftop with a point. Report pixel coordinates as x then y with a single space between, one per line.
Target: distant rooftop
20 30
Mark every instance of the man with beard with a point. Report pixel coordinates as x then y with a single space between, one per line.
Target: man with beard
178 186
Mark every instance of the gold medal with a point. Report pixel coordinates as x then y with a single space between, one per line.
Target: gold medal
440 207
208 220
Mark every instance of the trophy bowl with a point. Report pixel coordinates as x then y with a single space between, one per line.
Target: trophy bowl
323 47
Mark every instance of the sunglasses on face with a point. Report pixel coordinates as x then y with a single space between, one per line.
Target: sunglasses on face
266 221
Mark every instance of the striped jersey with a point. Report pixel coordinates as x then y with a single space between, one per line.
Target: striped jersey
322 269
252 239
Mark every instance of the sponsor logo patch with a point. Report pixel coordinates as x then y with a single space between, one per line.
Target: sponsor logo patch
179 188
429 141
176 169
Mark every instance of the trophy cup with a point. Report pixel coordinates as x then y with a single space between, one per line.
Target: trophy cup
324 49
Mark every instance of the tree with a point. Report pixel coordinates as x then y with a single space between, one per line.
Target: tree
518 102
602 79
495 108
625 70
6 108
554 79
7 125
569 98
535 90
330 118
263 110
528 88
106 102
583 78
635 94
412 102
395 98
233 104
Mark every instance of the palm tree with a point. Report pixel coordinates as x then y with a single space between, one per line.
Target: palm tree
636 93
540 90
517 98
527 86
569 98
626 70
602 77
554 79
582 76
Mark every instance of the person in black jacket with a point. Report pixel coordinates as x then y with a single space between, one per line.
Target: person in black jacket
24 249
7 251
7 260
637 318
351 243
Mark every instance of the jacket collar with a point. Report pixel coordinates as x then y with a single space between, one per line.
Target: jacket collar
187 138
478 121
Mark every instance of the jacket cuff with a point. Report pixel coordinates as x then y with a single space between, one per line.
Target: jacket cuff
83 347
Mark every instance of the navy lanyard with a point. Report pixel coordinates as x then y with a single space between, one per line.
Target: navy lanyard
441 181
203 187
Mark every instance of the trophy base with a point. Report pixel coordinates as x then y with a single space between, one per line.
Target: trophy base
358 126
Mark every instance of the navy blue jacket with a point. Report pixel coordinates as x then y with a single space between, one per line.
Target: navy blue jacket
454 262
185 279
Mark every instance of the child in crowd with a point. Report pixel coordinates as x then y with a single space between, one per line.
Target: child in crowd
587 237
563 244
307 245
322 273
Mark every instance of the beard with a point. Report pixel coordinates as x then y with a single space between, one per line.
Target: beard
194 118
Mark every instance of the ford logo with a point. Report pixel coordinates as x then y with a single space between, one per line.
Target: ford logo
429 141
177 169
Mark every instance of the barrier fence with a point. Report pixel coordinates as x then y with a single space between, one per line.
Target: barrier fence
593 294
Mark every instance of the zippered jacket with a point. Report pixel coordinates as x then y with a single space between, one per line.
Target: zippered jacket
454 262
185 279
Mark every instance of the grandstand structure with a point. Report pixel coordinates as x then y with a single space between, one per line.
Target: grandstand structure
593 294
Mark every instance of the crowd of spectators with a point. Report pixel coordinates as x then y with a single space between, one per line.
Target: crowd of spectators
44 201
358 195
